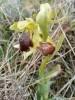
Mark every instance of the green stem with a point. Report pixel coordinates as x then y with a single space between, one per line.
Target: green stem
42 66
41 73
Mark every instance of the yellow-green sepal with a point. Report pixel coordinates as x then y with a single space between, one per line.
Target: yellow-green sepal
27 54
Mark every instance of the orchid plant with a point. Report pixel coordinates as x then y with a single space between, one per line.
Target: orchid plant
35 36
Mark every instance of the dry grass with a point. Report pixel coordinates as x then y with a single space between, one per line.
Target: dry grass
18 78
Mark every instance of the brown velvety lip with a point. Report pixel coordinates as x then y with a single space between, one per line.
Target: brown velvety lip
25 41
46 48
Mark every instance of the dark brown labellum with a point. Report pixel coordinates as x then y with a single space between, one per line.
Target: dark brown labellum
46 48
25 41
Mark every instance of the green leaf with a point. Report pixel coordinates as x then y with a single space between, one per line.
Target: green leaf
39 92
47 89
43 90
39 95
54 71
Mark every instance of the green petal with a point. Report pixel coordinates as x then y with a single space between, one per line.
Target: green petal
54 13
27 54
59 20
29 24
23 24
14 27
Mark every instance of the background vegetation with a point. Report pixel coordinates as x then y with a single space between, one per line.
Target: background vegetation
18 77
